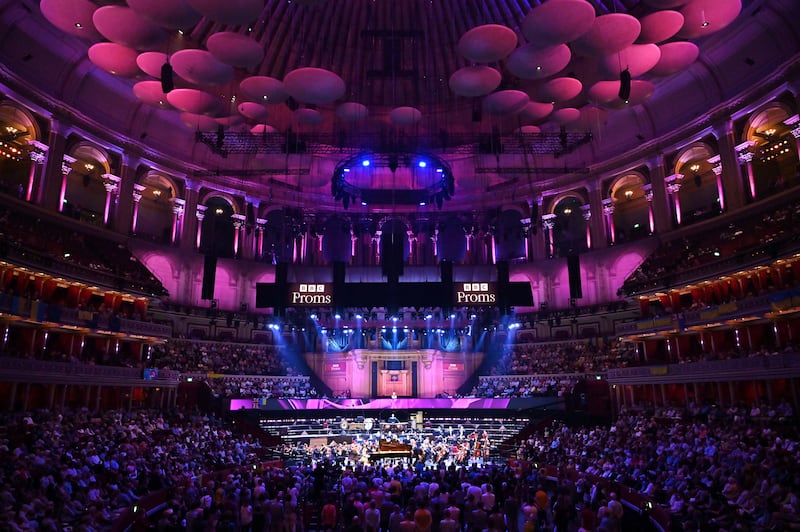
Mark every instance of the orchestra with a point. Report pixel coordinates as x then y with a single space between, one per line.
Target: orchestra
400 442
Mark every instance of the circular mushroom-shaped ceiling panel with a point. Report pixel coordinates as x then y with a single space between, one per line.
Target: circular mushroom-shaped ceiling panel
608 34
638 59
352 111
487 43
559 90
151 62
233 12
235 49
565 116
252 110
115 59
558 22
150 92
199 122
200 67
704 17
194 101
308 117
675 56
73 17
263 89
314 85
472 81
405 116
659 26
533 62
123 25
263 129
606 93
528 130
664 4
172 14
535 111
505 102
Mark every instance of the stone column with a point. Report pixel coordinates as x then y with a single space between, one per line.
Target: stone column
716 167
548 223
137 197
731 169
199 214
238 233
673 186
66 168
178 206
608 215
260 226
586 211
111 184
744 154
38 155
648 195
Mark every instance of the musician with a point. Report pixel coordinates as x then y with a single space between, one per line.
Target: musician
393 419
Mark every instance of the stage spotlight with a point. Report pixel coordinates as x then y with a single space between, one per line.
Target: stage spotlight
422 164
346 170
359 317
365 162
428 316
337 316
313 316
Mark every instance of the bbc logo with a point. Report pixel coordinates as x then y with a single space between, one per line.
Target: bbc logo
312 288
476 287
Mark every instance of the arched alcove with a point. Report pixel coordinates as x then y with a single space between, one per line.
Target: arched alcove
631 211
217 230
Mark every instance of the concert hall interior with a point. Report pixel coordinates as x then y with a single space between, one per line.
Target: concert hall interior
297 265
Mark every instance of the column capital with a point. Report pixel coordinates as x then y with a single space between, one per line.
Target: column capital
548 221
674 183
111 182
586 211
200 213
648 192
178 205
66 164
608 206
743 151
238 220
137 192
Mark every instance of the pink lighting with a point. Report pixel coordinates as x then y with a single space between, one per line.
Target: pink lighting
716 167
137 197
66 168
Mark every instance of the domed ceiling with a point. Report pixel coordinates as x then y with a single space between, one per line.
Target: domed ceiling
380 75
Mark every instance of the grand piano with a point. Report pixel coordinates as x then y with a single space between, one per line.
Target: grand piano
391 449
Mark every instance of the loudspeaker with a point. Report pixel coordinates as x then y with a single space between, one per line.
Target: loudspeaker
282 273
167 82
574 270
209 276
502 272
447 271
338 272
625 85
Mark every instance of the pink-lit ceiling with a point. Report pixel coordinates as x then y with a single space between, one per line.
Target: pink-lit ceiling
402 63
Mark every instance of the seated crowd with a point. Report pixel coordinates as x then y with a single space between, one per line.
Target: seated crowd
713 468
674 257
221 357
79 470
526 386
546 358
48 242
266 388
